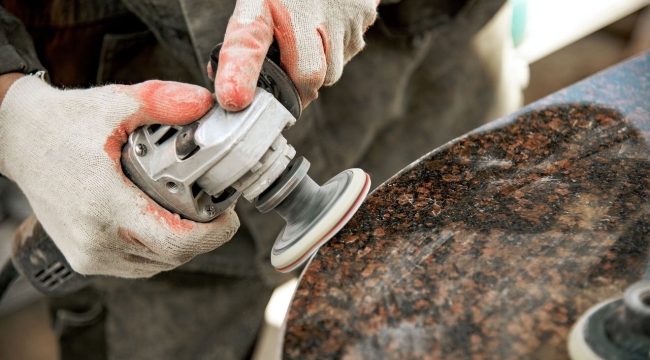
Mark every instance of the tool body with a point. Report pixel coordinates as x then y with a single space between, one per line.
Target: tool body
201 169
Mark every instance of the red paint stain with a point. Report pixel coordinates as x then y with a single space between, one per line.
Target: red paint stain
130 237
240 62
114 143
244 49
171 103
306 84
161 102
164 217
243 52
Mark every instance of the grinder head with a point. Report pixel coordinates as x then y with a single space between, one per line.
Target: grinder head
199 170
314 214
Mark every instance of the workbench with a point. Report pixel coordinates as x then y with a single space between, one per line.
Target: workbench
493 245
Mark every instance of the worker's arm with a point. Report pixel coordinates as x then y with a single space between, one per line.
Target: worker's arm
63 150
316 38
6 80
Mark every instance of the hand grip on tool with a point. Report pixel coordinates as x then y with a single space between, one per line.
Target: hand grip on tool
201 169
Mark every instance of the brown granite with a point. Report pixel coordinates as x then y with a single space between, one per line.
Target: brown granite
493 245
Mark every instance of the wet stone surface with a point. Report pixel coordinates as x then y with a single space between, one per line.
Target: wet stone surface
494 245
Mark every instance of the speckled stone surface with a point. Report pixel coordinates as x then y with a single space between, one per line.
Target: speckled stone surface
492 246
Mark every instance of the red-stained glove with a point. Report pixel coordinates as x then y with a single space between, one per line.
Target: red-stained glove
63 149
316 39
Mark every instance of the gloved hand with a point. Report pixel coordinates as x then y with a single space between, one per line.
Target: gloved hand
316 38
62 147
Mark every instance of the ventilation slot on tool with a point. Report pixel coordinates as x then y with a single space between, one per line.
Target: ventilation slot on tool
196 149
196 190
223 196
55 275
153 128
167 135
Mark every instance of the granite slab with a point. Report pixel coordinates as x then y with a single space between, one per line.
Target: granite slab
492 246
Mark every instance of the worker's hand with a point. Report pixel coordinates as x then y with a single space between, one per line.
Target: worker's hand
63 149
316 38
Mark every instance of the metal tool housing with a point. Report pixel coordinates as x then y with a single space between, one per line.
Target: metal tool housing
200 169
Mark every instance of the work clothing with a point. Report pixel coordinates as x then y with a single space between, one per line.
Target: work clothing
420 81
63 149
16 51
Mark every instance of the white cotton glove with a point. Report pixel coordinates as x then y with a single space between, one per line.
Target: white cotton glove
316 38
63 149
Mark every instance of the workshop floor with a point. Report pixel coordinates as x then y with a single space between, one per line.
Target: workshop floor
25 333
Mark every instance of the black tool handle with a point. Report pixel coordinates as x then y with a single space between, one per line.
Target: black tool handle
37 258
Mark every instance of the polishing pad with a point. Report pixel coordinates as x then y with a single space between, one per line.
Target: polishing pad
579 349
323 211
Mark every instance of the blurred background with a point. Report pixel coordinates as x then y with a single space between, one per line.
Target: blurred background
556 43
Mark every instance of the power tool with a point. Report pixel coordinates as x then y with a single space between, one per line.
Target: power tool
201 169
615 328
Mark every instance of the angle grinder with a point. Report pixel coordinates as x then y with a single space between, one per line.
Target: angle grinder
201 169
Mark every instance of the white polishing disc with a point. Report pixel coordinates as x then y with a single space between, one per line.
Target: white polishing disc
578 347
327 226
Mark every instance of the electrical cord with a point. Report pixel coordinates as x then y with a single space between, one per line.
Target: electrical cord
7 275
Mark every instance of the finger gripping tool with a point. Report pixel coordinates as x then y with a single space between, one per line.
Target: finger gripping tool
201 169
